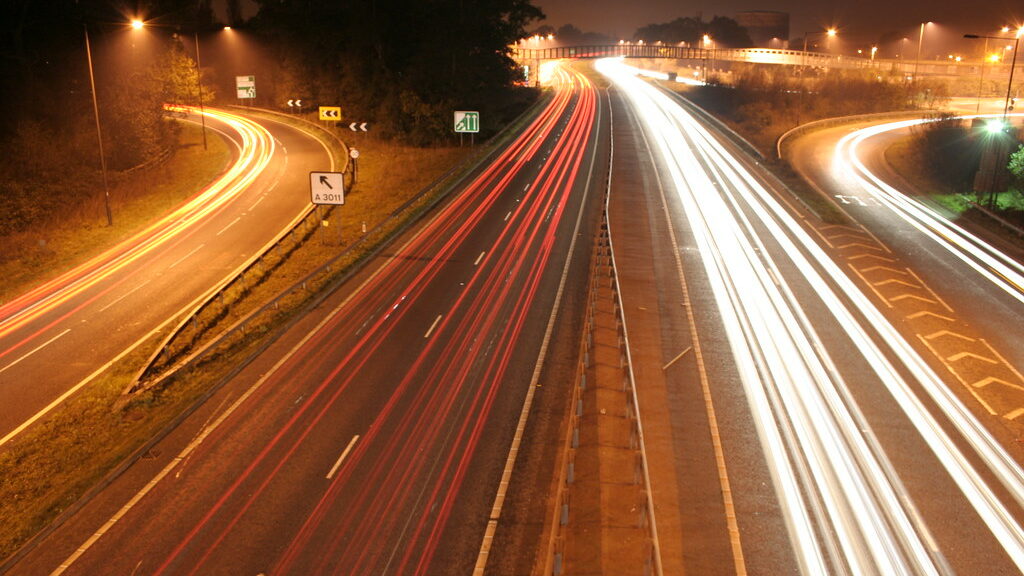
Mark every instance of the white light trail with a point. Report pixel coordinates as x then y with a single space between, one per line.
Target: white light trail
998 268
845 506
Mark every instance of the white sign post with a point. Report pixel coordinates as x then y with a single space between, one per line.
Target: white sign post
245 86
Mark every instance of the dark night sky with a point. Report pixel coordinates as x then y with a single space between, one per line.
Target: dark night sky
864 20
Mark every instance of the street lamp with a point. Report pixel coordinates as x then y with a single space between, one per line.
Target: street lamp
708 47
99 133
1013 64
829 33
199 87
920 43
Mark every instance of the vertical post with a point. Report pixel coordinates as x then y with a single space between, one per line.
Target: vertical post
920 41
99 133
981 80
1009 84
199 83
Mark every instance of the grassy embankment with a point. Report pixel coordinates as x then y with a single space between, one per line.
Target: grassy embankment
905 158
80 232
49 467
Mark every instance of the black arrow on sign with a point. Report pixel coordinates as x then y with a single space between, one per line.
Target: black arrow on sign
325 182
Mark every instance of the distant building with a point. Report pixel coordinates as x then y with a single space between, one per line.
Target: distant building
767 29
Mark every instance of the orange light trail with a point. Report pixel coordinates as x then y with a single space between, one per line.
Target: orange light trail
445 383
257 147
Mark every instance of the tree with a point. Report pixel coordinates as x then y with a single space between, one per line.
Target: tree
1016 167
689 30
396 63
726 32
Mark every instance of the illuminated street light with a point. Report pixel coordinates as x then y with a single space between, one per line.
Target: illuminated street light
829 33
1013 64
137 24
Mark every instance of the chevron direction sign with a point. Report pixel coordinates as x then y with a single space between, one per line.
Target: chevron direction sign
358 126
330 113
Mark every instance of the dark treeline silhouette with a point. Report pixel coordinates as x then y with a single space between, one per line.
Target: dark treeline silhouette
48 145
724 32
404 65
569 35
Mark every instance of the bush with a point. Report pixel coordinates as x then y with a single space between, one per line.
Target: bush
948 151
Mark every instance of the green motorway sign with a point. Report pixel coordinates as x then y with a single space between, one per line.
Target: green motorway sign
467 122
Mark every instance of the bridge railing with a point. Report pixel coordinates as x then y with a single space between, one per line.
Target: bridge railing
754 55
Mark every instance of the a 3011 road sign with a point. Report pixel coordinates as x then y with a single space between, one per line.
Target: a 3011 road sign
467 121
326 188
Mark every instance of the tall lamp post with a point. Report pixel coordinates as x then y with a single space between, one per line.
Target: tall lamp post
920 43
981 77
99 133
831 32
199 86
1013 64
992 171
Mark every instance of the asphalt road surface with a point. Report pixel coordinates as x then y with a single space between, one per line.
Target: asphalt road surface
372 438
875 459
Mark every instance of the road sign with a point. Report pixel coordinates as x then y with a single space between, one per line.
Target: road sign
330 113
466 121
292 103
353 153
358 126
245 86
326 188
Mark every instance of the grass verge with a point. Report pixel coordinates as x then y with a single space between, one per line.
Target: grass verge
80 232
905 159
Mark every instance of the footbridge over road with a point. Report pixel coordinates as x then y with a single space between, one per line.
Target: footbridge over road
638 50
719 60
